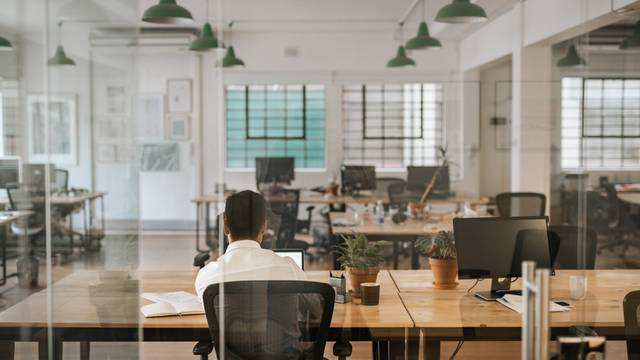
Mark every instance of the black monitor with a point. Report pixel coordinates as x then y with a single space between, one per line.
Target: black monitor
33 175
494 248
277 170
9 171
419 176
358 178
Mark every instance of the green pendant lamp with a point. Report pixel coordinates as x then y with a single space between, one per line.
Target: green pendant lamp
206 40
5 45
401 59
461 12
632 41
230 59
572 59
60 58
167 12
423 40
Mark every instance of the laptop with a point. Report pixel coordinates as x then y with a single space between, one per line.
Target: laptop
296 254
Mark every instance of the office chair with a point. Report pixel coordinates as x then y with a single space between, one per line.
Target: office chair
285 203
23 199
569 252
621 224
631 308
521 204
383 184
267 319
400 195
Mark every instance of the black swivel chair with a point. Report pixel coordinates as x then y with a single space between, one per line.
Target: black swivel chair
568 252
383 184
621 225
267 320
400 195
22 198
631 306
521 204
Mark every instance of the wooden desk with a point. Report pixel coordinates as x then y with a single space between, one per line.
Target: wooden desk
459 315
105 306
632 198
408 231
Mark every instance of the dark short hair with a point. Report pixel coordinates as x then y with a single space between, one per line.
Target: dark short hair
245 213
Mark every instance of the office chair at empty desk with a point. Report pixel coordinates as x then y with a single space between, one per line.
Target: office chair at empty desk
267 320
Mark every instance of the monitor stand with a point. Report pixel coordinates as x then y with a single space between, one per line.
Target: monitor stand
498 290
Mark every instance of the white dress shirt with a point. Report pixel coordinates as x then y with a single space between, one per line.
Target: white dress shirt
246 260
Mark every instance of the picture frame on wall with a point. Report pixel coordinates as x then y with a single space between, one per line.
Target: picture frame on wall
179 126
160 157
179 95
150 113
60 113
116 99
111 128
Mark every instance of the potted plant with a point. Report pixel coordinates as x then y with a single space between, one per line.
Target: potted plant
441 251
360 259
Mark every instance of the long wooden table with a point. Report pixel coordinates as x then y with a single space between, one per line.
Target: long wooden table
455 315
92 306
408 231
632 198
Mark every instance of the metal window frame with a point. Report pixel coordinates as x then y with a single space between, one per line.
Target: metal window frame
248 135
383 137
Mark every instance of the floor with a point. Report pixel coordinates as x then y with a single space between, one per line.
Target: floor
162 251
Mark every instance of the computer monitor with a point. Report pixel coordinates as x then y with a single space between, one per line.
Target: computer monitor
33 175
358 178
419 176
279 170
296 254
9 171
494 248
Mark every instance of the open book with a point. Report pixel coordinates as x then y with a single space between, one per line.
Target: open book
171 304
514 302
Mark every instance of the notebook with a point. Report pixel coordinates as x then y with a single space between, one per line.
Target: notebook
172 304
514 302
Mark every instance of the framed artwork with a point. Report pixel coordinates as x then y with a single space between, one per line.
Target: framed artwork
179 93
150 117
60 111
112 128
116 100
179 127
160 157
106 153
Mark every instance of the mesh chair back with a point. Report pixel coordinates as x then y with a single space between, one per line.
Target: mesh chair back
269 319
62 180
521 204
631 306
284 203
23 198
572 252
383 183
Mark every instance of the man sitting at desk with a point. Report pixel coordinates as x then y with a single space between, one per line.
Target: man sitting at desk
244 225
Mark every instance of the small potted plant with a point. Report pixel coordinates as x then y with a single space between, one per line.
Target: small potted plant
360 259
441 251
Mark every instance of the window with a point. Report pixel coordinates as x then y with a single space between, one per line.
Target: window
392 125
275 120
600 123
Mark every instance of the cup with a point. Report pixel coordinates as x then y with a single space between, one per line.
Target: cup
370 293
577 287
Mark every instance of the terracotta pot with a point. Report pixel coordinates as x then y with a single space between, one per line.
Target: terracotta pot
355 277
417 208
445 272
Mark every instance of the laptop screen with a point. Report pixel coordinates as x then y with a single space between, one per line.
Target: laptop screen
296 254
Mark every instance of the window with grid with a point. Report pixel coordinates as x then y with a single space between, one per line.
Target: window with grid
600 123
392 125
275 120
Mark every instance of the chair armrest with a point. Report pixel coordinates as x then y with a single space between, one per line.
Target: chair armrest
203 348
201 259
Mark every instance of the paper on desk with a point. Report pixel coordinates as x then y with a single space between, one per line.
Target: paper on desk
514 302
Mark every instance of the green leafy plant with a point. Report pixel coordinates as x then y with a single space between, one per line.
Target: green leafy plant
441 246
357 252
